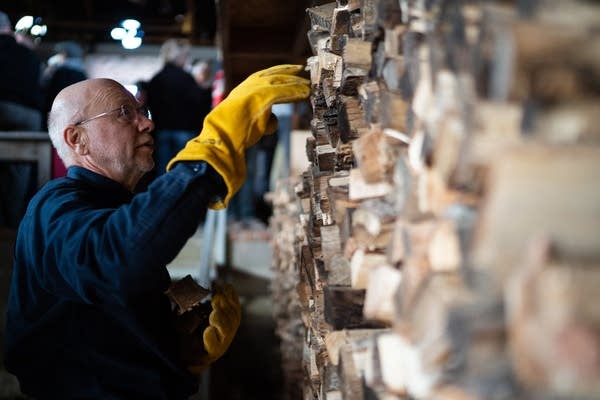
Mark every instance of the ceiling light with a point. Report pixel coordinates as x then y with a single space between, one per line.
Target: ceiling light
118 33
131 24
131 42
24 23
38 30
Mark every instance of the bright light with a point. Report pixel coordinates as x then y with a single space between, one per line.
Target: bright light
38 30
131 42
24 23
118 33
132 89
131 24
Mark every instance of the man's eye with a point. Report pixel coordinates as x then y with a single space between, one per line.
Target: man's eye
126 112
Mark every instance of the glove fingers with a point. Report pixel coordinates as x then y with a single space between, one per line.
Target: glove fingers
227 294
224 321
276 80
231 298
288 69
211 339
287 93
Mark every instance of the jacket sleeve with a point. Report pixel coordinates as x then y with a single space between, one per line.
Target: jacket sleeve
96 254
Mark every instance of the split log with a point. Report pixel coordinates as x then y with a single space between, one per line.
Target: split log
558 298
361 266
376 155
373 223
359 189
344 308
351 118
523 202
350 377
357 54
383 285
321 15
335 340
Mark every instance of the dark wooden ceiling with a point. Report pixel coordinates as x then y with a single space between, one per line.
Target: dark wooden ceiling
256 34
252 34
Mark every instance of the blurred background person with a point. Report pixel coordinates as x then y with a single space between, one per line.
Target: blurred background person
64 68
178 104
141 93
20 110
202 73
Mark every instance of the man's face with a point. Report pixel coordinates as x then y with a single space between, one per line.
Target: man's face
120 145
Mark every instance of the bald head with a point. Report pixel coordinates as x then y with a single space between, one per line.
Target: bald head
75 103
97 124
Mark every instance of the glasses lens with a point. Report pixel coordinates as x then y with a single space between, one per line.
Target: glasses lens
126 114
145 111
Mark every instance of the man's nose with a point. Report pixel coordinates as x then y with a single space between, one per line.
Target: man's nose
144 123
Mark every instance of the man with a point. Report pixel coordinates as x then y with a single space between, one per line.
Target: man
88 317
178 103
20 110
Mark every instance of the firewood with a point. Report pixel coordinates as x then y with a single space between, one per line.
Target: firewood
522 201
357 54
359 189
394 110
330 383
351 5
389 348
361 266
351 118
369 96
339 271
570 122
557 298
376 155
443 140
186 294
383 284
447 250
350 377
401 367
429 317
325 157
332 63
330 243
373 223
343 308
335 340
352 79
321 15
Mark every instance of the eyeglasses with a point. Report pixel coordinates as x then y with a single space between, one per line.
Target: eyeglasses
127 114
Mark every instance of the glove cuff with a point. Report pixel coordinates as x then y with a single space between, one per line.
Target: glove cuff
230 165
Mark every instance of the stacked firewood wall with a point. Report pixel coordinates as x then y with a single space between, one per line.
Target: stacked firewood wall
446 238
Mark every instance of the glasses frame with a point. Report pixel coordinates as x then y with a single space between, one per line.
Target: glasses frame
140 110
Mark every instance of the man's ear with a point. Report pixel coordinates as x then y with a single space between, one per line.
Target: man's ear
76 139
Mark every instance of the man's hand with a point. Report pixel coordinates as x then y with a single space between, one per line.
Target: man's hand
240 120
223 322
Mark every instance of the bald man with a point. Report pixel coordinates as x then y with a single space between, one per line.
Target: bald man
87 314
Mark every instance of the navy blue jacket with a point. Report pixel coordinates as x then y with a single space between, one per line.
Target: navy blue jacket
87 315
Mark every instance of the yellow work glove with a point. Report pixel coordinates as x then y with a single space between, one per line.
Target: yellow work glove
240 120
223 323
